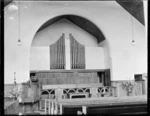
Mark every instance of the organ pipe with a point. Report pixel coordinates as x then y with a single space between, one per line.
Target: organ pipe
77 53
57 54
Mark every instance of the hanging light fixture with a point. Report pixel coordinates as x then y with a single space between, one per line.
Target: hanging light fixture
133 41
13 7
19 40
15 79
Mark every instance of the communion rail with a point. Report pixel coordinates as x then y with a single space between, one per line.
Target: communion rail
72 91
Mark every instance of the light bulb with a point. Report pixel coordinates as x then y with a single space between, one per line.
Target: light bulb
13 7
11 18
133 42
19 43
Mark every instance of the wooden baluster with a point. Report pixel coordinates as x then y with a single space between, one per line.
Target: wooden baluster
61 109
45 106
49 106
84 110
52 107
55 108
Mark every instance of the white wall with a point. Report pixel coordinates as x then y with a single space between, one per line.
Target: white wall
106 51
40 55
110 17
53 32
94 58
40 58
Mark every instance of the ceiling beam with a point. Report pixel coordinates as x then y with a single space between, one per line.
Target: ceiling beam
134 7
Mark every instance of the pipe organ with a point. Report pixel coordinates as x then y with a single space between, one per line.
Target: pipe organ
77 53
57 54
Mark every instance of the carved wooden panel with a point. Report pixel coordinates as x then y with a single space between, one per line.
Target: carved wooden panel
67 78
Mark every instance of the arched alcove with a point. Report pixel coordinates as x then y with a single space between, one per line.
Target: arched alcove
84 31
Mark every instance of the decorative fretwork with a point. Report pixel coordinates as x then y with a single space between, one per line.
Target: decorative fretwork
77 54
57 54
50 94
76 90
105 91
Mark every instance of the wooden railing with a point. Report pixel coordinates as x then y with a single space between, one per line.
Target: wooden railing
70 91
11 107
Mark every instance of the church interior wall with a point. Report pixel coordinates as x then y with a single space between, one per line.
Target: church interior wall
111 18
40 51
